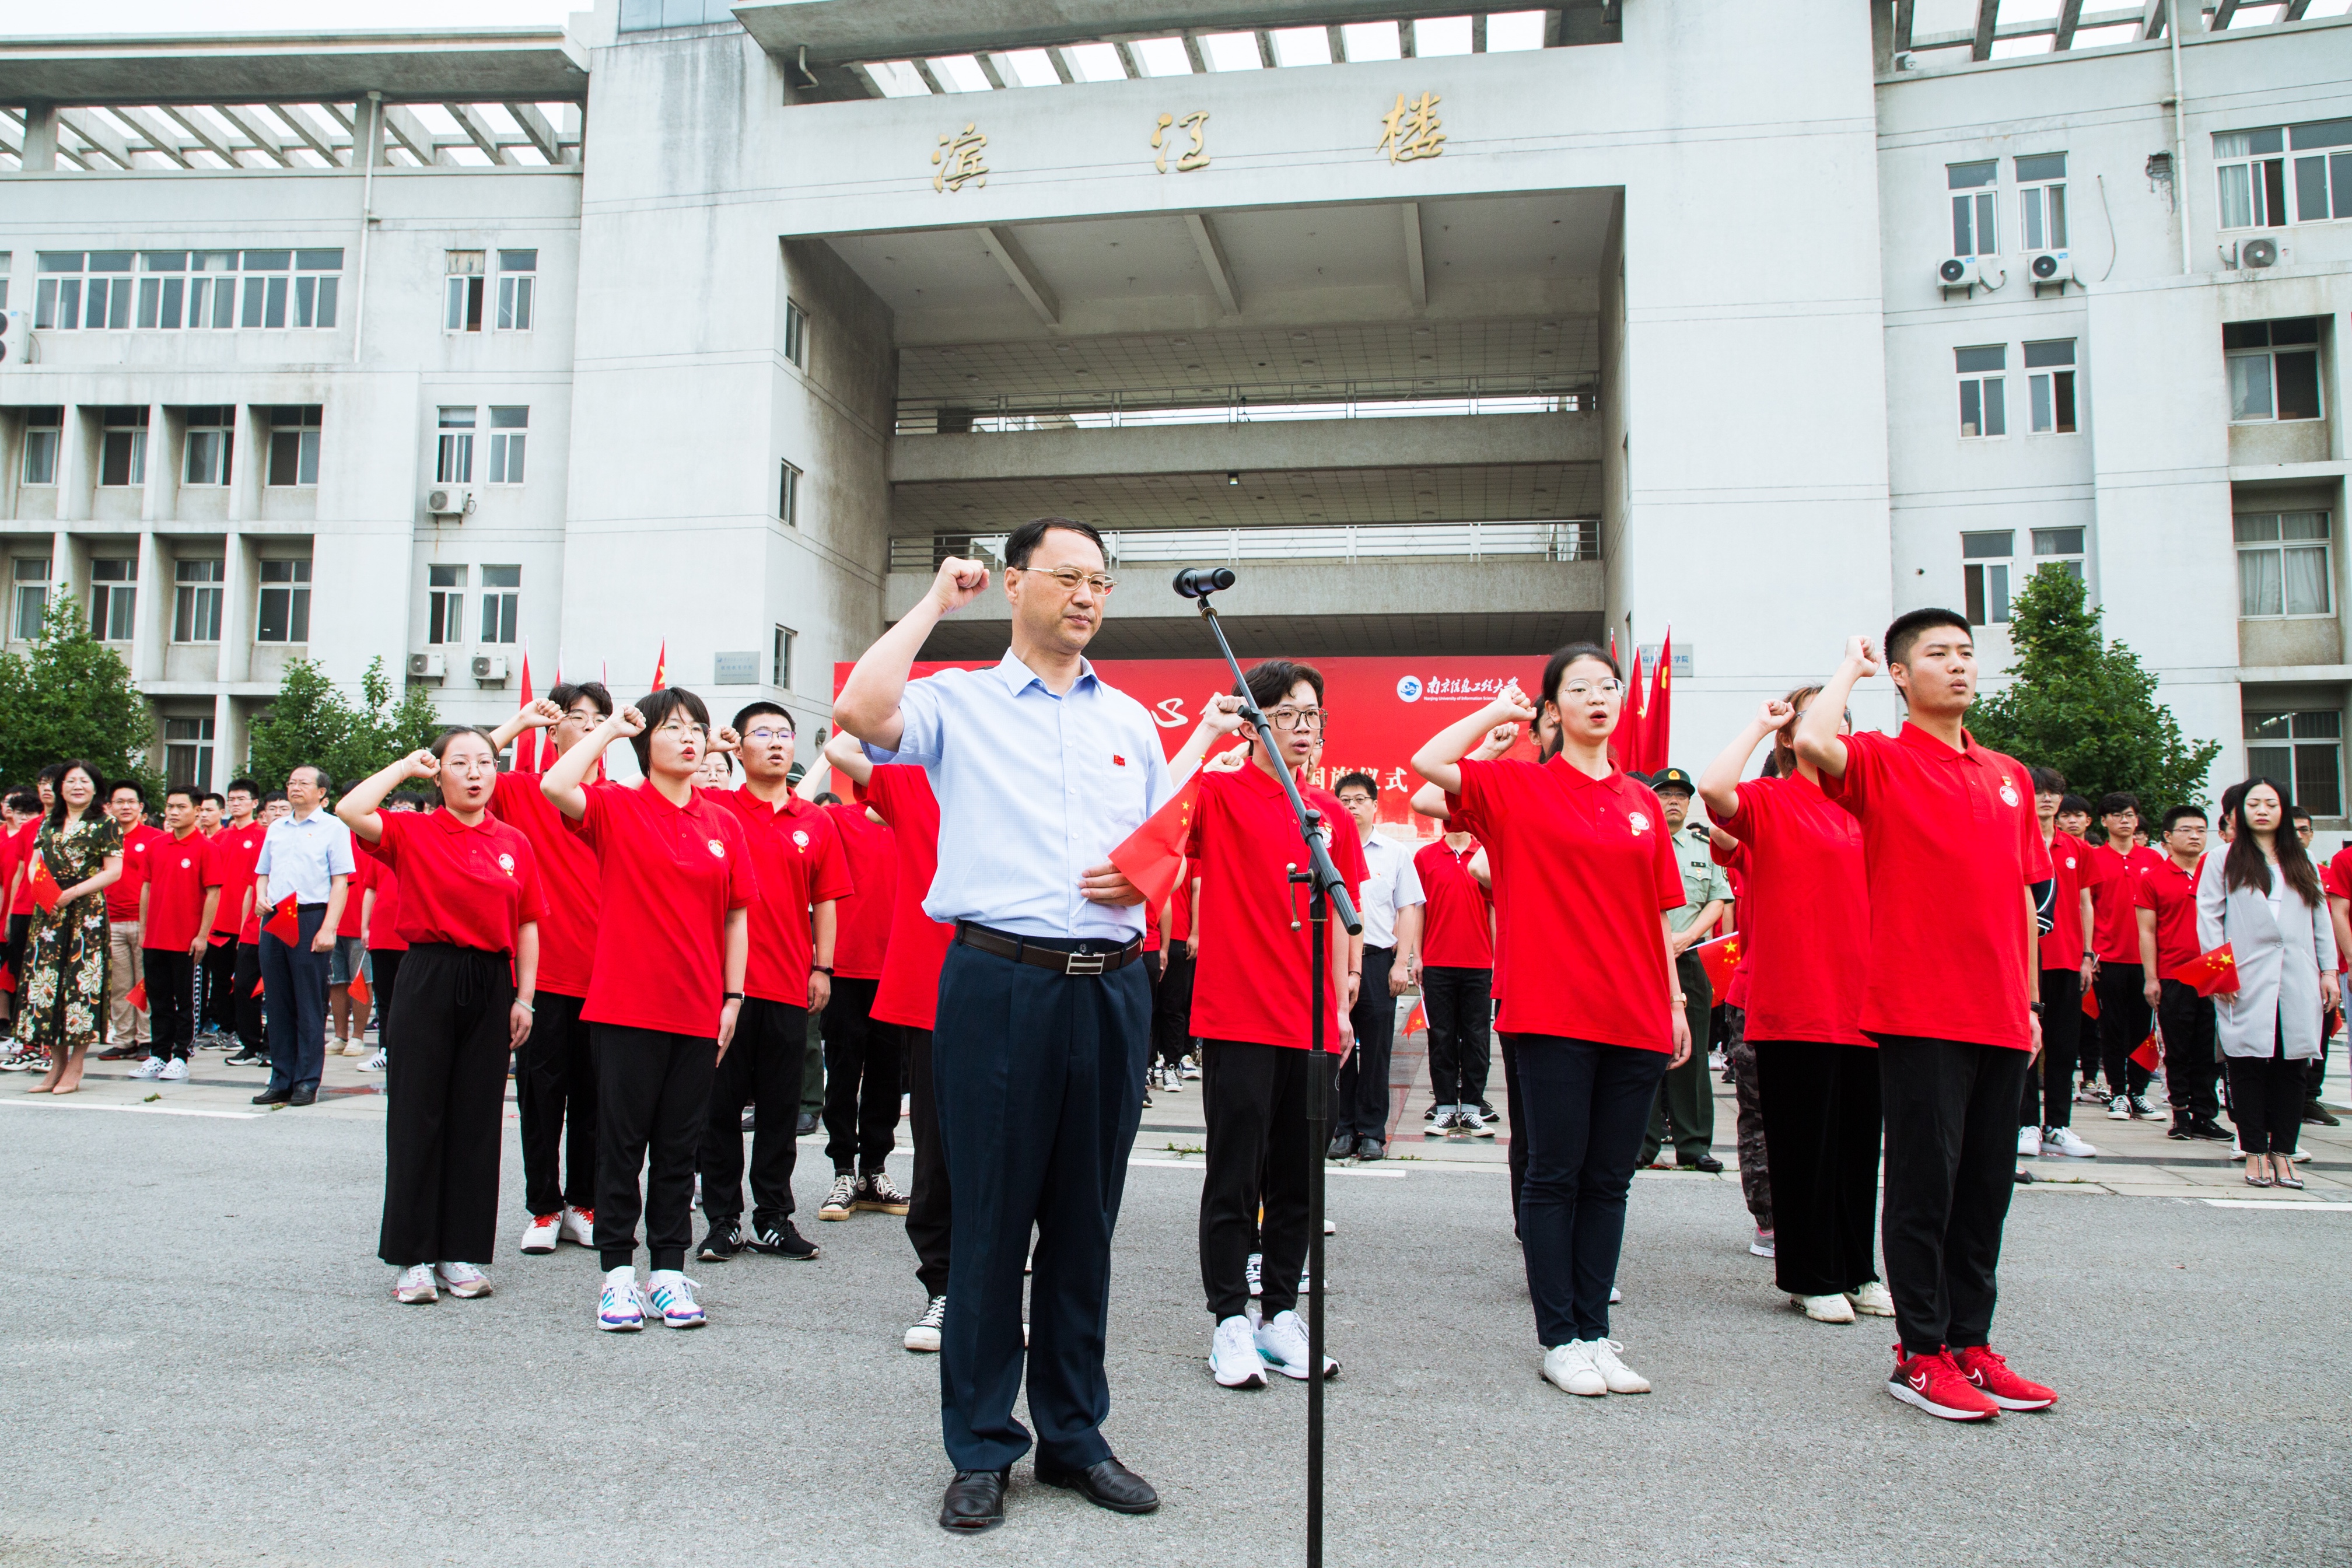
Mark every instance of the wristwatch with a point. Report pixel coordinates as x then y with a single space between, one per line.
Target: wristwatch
2035 1005
731 996
823 969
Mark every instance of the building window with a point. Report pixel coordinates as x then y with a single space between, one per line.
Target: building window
780 668
2254 177
2284 565
2305 750
1973 230
462 310
212 431
2060 547
2322 181
500 600
267 274
1984 404
788 497
1985 558
452 459
85 290
516 285
294 445
2041 199
122 447
197 599
31 574
42 426
188 753
211 290
315 282
2050 387
509 429
113 594
444 616
795 333
285 612
163 292
2274 369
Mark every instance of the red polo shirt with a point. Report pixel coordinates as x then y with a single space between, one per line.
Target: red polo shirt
797 856
175 890
355 892
1455 931
1804 913
2114 900
670 877
1950 840
567 937
465 886
1736 863
909 992
2171 892
384 921
1582 868
862 920
1179 917
23 842
122 898
233 852
1253 969
2074 866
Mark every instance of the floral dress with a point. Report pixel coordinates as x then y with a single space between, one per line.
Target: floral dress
65 948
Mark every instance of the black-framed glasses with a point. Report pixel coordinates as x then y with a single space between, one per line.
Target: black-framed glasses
1296 718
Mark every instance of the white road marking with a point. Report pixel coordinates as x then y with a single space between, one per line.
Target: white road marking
141 1109
2276 1203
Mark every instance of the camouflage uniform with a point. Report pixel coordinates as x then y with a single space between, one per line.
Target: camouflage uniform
1755 1178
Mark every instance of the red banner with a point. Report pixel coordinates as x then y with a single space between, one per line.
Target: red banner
1381 709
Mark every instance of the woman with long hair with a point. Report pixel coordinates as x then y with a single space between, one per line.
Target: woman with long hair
1804 916
1583 876
2262 897
65 949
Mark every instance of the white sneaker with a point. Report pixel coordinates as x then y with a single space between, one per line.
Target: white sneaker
1234 1360
1282 1343
538 1236
151 1068
923 1334
464 1281
1620 1378
2029 1142
174 1071
1763 1246
2120 1109
375 1063
1570 1369
620 1308
1833 1309
579 1226
1616 1297
671 1294
355 1048
2066 1141
1872 1300
414 1287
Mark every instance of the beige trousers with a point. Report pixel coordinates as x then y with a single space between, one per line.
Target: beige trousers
124 969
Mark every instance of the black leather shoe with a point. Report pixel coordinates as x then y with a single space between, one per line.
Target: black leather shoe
1106 1483
272 1097
974 1502
1371 1149
805 1125
1342 1146
303 1096
1708 1163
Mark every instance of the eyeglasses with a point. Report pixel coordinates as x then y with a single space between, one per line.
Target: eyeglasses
1296 718
678 727
1069 577
767 737
1606 688
585 714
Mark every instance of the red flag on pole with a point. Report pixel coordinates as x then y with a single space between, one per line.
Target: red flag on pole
1152 857
2213 973
1416 1021
45 886
1657 711
1628 742
137 997
1719 958
2144 1053
527 743
359 990
284 923
661 666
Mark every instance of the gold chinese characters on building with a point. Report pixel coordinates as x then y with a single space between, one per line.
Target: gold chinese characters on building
961 155
1195 157
1412 131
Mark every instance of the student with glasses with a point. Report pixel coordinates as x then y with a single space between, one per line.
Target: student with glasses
1584 878
673 942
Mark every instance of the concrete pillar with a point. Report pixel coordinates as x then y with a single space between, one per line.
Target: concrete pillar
40 137
77 462
152 625
228 744
249 460
238 564
161 497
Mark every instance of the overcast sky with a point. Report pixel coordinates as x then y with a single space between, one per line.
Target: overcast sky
21 18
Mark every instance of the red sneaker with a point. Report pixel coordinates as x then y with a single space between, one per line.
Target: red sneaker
1936 1385
1985 1370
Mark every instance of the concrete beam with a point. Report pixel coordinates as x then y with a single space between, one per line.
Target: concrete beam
535 126
2223 14
1906 11
86 125
263 139
1061 63
1194 55
40 146
410 132
1512 584
930 78
475 65
1126 60
1212 258
1988 18
2070 16
470 120
1338 42
989 70
2151 19
207 137
159 136
316 137
1416 267
1031 283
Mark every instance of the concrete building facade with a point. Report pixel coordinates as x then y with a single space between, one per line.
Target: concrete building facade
713 329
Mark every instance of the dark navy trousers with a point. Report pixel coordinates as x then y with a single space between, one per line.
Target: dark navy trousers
1039 1081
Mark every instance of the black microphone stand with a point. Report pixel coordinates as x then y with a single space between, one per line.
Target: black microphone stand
1326 890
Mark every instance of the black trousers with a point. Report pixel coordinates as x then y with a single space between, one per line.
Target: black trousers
1952 1162
2267 1095
219 1012
2123 1025
1515 1111
1255 1097
763 1068
384 963
931 1207
555 1102
170 1000
1171 1007
2049 1097
1039 1078
1459 1005
861 1080
1361 1108
2193 1067
295 977
446 1094
245 990
1821 1136
1586 1107
653 1090
19 928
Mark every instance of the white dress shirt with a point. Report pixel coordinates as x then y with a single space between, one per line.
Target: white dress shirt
1393 885
1034 790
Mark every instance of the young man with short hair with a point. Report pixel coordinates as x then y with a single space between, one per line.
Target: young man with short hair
210 807
2069 967
1684 1109
171 931
2124 1016
862 1076
126 1026
2166 915
1392 909
1958 876
233 964
1458 983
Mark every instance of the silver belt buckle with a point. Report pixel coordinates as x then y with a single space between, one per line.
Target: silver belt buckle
1083 964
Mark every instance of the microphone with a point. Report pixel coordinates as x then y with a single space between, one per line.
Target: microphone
1200 582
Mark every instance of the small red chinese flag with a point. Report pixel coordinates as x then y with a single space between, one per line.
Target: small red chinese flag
283 922
2144 1053
1152 857
45 887
2213 973
527 743
8 979
1417 1021
1719 958
137 996
256 989
359 990
2091 1002
661 666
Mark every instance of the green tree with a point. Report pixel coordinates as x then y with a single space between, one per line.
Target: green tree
72 696
2086 706
312 723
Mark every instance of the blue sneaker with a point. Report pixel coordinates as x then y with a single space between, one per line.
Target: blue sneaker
620 1311
671 1294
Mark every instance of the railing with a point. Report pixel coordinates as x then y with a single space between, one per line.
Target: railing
1345 544
1141 408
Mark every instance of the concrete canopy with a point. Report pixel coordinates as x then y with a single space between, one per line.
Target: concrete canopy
491 64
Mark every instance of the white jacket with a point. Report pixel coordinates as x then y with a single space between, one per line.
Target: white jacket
2279 963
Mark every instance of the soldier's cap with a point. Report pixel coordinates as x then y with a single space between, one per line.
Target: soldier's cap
1672 778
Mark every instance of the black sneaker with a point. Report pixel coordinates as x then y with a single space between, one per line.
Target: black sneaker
247 1059
783 1241
121 1053
2207 1130
2140 1109
722 1244
1486 1111
2319 1115
2178 1133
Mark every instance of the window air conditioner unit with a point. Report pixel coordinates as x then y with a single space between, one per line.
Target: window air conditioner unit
449 501
1961 272
427 666
2259 253
2050 269
490 669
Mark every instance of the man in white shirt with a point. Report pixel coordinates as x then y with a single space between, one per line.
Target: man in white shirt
1391 911
307 856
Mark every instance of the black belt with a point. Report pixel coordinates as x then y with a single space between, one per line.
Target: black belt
1027 949
320 905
